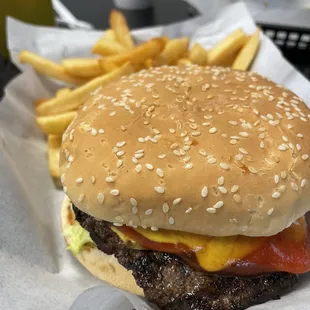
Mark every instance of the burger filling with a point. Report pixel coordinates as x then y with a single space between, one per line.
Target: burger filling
180 270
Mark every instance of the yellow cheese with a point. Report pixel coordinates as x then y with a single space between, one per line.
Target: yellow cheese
213 253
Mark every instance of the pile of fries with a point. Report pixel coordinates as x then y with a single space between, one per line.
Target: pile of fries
117 55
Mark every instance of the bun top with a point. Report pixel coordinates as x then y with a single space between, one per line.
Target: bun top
207 150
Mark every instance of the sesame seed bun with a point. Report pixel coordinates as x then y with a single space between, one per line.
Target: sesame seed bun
103 266
206 150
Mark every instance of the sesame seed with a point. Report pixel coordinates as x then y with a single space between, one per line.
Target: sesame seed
234 188
112 113
114 192
224 166
172 130
115 149
211 160
299 135
270 211
211 210
141 140
188 166
154 228
243 151
206 124
304 156
208 117
276 195
79 180
204 192
160 172
94 132
234 123
261 144
139 155
289 126
138 168
134 160
117 224
177 153
202 152
149 166
134 210
276 178
221 180
262 136
186 147
218 205
282 147
101 130
285 139
303 183
174 146
222 189
100 198
212 130
189 210
183 134
165 208
148 211
81 197
196 133
177 201
239 157
153 140
237 198
159 189
253 170
71 159
233 141
298 146
171 220
243 134
120 144
120 153
119 218
109 179
294 186
162 156
283 175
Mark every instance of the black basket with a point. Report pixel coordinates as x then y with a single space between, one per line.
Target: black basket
294 42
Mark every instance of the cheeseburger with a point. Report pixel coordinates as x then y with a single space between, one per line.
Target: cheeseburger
189 186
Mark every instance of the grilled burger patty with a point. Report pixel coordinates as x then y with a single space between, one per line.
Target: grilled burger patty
172 285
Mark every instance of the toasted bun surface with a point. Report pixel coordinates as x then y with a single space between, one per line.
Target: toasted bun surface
205 150
103 266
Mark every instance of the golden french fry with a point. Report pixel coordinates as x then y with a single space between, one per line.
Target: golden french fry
109 35
82 67
120 27
107 66
248 52
55 124
53 147
148 63
49 68
174 50
183 61
62 92
39 101
139 54
228 46
198 55
107 48
77 96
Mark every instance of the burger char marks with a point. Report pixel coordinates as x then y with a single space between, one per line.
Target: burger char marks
172 285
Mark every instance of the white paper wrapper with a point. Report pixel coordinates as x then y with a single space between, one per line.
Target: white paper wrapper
36 272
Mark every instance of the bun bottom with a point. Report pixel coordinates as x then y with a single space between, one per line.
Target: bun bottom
103 266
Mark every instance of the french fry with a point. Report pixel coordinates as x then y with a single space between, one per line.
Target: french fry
105 47
53 147
107 66
109 35
62 92
39 101
228 46
120 27
139 54
82 67
49 68
247 53
183 61
55 124
77 96
198 55
174 50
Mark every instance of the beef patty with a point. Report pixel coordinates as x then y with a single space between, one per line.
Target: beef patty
172 285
